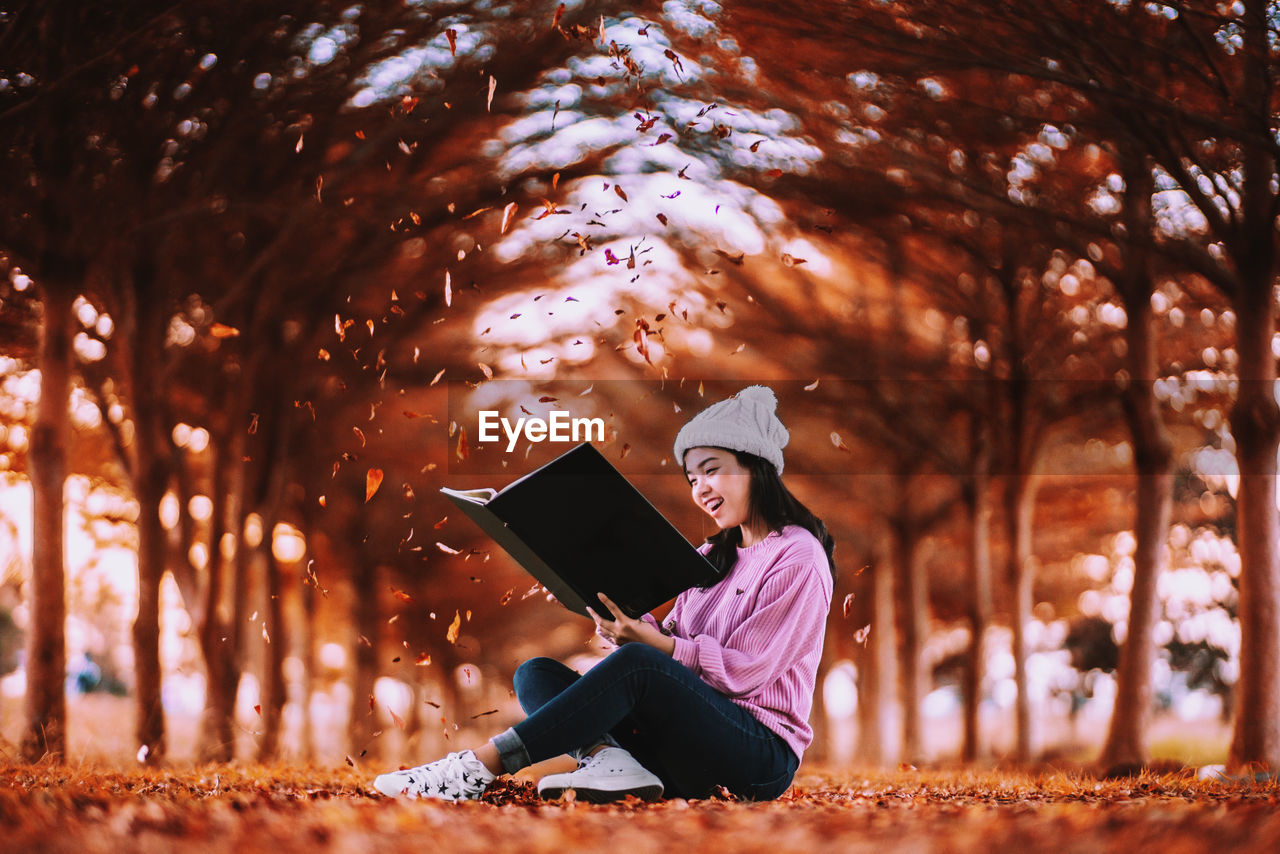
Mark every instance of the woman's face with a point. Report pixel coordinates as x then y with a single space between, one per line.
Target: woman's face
721 486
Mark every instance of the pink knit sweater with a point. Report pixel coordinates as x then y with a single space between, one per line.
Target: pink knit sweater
756 636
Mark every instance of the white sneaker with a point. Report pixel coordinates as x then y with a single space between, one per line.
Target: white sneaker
609 775
457 777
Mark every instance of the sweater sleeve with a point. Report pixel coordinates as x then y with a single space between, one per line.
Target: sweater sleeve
789 618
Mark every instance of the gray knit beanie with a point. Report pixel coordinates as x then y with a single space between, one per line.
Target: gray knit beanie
745 422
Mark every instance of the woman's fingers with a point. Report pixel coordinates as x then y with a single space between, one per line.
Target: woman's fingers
613 609
600 621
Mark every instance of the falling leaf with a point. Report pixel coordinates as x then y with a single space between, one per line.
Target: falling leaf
266 637
626 448
506 597
493 84
838 442
617 188
738 349
395 719
555 21
447 549
546 398
401 595
359 435
253 423
483 714
675 61
221 330
372 480
610 258
423 660
848 604
861 634
452 634
448 289
436 378
452 35
258 708
486 370
508 214
792 261
662 218
811 386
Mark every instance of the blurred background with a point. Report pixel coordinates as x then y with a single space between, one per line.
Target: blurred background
1012 281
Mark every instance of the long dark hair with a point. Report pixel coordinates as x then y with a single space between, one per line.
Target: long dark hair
772 506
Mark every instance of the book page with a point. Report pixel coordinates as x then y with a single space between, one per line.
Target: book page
477 496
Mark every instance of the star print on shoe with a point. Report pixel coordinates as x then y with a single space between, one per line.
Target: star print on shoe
457 777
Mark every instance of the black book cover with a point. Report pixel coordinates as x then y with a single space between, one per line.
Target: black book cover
580 527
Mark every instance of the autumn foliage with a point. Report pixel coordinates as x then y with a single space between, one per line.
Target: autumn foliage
312 811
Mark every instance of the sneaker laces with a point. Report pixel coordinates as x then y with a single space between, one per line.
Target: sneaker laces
448 777
587 761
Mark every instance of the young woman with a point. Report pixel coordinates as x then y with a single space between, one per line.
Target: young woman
720 694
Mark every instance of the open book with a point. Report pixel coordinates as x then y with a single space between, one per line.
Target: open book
580 528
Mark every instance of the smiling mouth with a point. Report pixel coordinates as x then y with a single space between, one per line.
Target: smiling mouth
715 505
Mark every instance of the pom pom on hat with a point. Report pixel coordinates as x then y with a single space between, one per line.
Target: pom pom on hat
747 422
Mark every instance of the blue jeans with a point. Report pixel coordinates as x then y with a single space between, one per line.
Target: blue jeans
677 726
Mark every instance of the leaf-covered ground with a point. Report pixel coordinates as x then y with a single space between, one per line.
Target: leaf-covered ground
293 809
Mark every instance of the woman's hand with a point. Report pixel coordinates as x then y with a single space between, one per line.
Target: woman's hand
623 629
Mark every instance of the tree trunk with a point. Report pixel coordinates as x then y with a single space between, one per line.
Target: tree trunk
1127 743
307 655
1255 421
1255 424
216 635
915 623
275 637
150 480
980 604
364 581
821 745
223 638
149 490
1019 508
46 704
882 744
